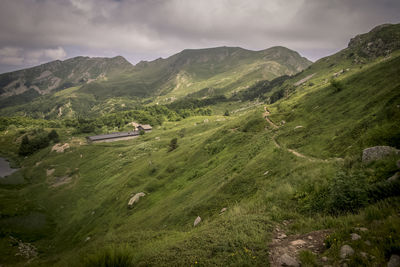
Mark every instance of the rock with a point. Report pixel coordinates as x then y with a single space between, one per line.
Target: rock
362 229
368 243
378 152
286 260
87 239
346 251
355 236
324 259
298 242
205 121
281 236
310 237
135 199
197 221
60 148
157 138
222 210
394 178
394 261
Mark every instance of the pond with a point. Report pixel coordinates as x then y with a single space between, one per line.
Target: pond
5 168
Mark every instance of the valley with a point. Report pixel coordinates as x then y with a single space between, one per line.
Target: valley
265 147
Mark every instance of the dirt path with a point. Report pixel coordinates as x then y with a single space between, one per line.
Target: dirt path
284 250
294 152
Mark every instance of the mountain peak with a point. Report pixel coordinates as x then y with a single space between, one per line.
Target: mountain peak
380 41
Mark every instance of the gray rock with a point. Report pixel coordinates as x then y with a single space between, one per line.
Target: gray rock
394 261
324 259
355 236
197 221
282 236
368 243
378 152
346 251
286 260
394 178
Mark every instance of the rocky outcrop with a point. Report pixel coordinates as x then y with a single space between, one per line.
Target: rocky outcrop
378 152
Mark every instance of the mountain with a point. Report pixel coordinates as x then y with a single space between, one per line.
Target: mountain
277 173
24 85
96 81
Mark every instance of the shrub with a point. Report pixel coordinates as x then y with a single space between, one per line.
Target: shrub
346 193
173 144
337 85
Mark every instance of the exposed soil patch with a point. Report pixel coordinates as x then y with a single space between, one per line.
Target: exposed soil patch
284 249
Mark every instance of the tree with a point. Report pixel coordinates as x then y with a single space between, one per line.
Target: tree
173 144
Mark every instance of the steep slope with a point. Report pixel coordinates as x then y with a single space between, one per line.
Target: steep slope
24 85
296 173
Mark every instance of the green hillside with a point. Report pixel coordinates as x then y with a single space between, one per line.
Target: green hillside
283 157
222 70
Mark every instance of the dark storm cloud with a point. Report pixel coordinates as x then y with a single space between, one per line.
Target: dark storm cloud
36 31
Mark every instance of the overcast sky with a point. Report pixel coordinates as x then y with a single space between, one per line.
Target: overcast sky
37 31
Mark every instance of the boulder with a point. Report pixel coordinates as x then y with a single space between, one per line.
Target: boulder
378 152
197 221
135 199
286 260
355 237
346 251
394 261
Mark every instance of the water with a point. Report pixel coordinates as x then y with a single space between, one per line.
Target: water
5 168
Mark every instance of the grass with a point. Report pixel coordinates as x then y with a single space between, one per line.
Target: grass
220 162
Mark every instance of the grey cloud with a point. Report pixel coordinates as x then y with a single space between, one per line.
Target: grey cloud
139 29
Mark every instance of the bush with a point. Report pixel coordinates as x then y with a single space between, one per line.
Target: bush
173 144
337 85
346 193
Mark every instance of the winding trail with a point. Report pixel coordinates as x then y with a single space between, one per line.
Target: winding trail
294 152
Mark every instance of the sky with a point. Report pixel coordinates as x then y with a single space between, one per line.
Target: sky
33 32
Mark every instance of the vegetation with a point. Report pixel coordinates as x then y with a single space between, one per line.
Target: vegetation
300 171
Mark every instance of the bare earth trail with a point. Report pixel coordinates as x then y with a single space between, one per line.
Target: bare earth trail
294 152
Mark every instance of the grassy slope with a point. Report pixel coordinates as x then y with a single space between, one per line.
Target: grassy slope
223 70
217 164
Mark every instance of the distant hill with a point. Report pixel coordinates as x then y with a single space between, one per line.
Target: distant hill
95 81
57 75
